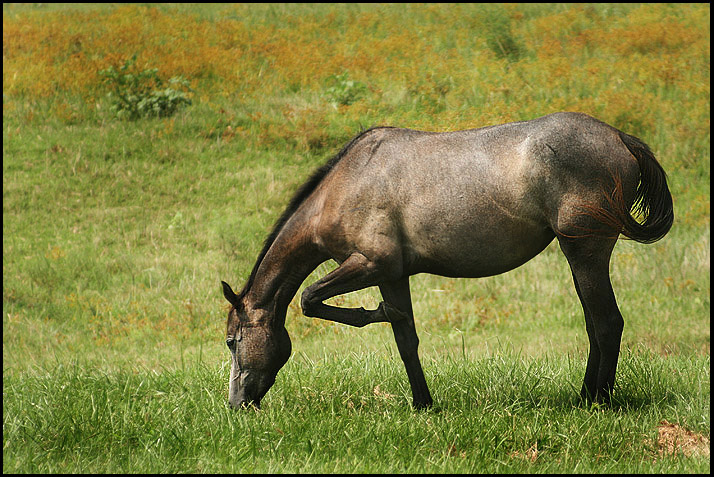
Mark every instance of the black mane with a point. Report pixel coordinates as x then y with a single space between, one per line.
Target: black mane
302 193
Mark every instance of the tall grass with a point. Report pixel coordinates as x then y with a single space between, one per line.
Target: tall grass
499 414
116 234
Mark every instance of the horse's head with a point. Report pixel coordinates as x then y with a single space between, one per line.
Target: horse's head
258 350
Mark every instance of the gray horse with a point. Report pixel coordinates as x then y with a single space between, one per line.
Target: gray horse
397 202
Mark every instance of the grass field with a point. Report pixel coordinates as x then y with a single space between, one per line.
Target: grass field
117 232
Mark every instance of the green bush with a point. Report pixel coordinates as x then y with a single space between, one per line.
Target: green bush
137 94
344 91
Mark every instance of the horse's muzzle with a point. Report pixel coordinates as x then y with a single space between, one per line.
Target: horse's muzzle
244 404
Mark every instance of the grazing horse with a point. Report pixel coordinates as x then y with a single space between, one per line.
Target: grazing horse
396 202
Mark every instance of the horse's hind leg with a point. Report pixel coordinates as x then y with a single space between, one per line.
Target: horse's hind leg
591 371
396 294
589 259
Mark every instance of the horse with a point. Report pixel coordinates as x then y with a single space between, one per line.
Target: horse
473 203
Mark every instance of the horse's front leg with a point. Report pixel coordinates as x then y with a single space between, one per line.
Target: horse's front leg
397 295
355 273
358 272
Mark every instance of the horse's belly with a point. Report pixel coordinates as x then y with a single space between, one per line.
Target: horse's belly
479 249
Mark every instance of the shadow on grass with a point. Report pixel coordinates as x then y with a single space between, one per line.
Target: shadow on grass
507 381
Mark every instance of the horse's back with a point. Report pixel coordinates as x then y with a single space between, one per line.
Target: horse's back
466 203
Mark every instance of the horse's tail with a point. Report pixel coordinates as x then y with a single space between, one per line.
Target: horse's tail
653 201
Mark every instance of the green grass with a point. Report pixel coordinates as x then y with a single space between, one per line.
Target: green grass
350 413
116 236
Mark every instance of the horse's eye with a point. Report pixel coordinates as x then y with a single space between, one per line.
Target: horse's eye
231 343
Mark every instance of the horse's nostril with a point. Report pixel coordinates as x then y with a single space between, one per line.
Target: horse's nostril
230 342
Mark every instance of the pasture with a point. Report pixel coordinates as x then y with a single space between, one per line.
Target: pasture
117 231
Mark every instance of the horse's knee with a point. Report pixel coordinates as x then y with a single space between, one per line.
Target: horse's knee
608 331
308 302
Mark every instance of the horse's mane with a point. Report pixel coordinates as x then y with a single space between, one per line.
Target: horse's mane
301 194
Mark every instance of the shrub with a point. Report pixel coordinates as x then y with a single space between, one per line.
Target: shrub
344 91
135 94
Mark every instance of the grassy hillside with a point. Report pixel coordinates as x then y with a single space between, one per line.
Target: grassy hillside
117 232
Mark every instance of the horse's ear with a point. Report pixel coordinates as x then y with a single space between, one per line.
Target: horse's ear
230 296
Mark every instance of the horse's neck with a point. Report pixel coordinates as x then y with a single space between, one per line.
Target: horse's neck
288 261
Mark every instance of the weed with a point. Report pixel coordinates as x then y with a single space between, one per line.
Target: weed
500 37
